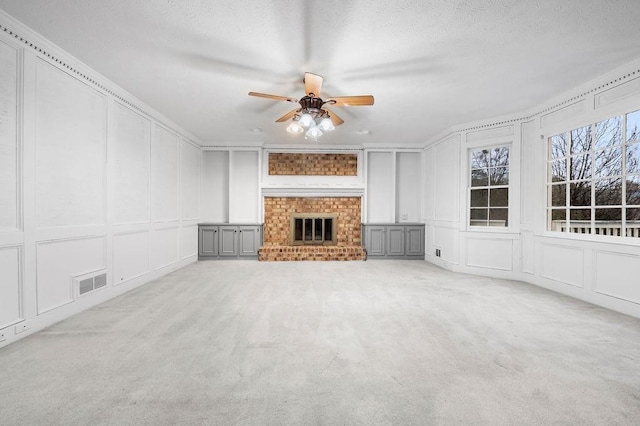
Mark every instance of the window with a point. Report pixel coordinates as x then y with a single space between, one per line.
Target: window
489 187
593 178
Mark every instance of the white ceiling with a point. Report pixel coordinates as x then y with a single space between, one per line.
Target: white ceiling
430 64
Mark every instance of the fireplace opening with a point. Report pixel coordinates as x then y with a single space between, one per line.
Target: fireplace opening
313 229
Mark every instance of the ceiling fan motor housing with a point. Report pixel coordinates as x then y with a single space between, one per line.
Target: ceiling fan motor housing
311 102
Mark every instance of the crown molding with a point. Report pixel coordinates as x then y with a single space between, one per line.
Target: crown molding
45 49
610 79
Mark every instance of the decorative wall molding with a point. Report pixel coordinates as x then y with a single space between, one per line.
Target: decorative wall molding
480 135
617 93
313 192
563 113
46 50
614 275
611 82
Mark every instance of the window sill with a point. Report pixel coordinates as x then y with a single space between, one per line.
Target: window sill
593 238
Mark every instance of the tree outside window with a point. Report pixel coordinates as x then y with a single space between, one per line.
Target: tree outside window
594 178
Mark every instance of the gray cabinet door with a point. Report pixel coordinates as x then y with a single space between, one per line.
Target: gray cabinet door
228 241
374 240
208 239
395 241
249 237
415 241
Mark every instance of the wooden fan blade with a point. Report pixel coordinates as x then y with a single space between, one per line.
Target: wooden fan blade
312 83
362 100
274 97
287 116
334 118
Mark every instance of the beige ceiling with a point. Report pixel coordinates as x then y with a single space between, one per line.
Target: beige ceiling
430 64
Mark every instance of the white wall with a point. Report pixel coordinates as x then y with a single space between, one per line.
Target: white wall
599 269
244 187
393 186
230 185
380 194
90 180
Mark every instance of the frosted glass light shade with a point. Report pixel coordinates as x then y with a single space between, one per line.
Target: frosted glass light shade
326 124
294 127
306 120
313 132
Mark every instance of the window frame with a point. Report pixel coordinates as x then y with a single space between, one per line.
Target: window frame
488 187
618 231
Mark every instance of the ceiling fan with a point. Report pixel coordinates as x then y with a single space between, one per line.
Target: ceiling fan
312 115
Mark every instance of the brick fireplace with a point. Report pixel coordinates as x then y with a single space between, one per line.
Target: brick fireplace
277 229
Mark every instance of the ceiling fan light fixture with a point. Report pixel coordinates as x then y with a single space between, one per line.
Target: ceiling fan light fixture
312 118
306 120
313 132
295 127
326 124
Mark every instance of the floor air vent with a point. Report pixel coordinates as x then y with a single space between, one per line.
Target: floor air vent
87 283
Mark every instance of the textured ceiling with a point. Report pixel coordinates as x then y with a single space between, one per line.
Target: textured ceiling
430 64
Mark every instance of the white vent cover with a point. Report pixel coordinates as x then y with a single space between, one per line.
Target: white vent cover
89 282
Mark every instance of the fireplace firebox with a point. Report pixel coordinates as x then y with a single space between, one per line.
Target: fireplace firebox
313 229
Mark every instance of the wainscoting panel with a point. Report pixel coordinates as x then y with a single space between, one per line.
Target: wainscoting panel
71 135
616 274
622 91
563 114
165 157
59 261
527 252
130 256
188 241
492 253
165 247
131 144
527 171
495 132
189 181
8 139
561 263
446 239
447 175
10 288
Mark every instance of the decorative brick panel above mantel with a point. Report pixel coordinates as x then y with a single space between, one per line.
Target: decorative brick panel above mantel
312 164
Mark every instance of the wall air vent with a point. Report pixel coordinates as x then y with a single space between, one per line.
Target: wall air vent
89 282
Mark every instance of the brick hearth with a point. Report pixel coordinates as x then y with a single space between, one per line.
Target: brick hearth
312 253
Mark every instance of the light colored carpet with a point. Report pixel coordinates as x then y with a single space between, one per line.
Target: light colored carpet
377 342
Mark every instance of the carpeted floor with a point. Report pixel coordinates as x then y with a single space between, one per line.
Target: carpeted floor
376 342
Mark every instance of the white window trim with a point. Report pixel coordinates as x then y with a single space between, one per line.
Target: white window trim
489 229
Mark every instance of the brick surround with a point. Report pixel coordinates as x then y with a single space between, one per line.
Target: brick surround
277 214
297 164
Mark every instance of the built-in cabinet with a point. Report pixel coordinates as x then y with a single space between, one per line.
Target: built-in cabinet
394 241
226 241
